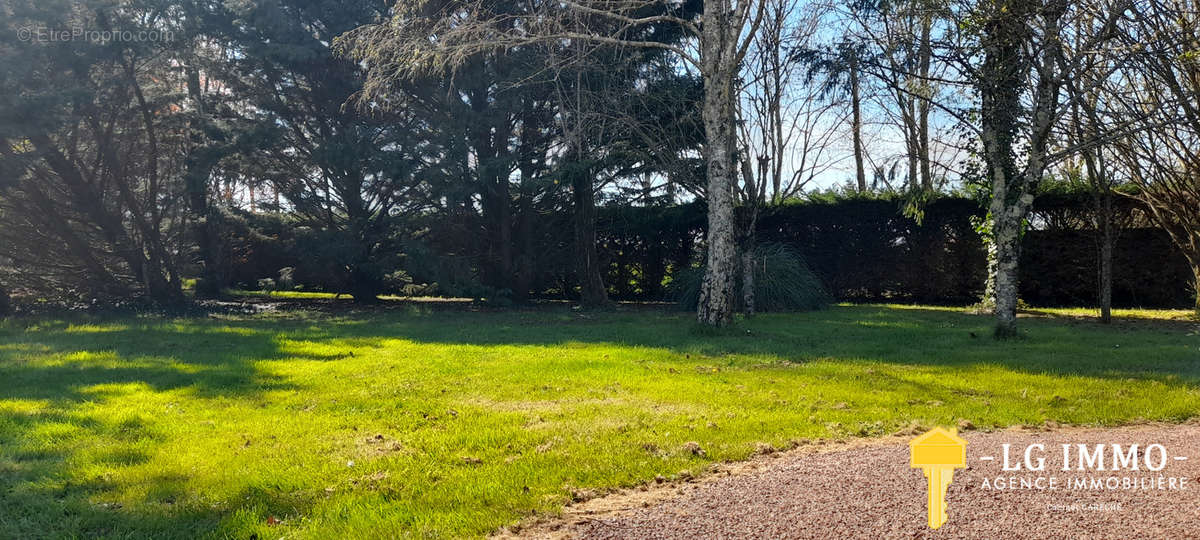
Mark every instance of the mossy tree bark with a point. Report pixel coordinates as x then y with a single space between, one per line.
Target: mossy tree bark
720 61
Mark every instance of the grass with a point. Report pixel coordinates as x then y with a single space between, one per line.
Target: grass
425 423
328 296
289 295
1125 314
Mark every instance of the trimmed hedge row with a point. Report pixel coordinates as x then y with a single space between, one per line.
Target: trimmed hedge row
867 249
863 248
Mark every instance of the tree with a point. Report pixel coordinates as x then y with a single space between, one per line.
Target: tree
1004 78
1157 90
1097 174
896 39
1018 55
839 69
91 137
1029 52
597 89
464 30
346 175
786 127
578 120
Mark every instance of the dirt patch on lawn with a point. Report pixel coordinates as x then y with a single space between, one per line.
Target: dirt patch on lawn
865 488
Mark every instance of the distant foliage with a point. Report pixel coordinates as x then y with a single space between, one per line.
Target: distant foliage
782 282
442 274
1058 268
869 248
5 303
863 248
647 247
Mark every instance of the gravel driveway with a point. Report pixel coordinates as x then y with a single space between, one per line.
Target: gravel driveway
869 491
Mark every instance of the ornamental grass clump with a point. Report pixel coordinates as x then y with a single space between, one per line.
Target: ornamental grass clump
782 282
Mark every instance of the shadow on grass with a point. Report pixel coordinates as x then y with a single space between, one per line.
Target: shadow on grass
51 372
51 376
908 336
164 357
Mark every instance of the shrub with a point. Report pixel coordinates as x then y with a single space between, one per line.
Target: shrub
782 282
428 272
287 278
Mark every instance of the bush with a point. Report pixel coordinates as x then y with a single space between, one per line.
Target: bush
287 279
426 272
782 282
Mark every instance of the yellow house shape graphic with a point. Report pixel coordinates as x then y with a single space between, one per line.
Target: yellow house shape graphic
938 452
938 446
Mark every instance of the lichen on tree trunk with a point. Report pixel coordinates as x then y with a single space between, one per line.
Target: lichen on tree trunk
720 62
716 292
1008 253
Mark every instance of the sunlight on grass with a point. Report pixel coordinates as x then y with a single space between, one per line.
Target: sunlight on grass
453 424
1148 314
94 328
312 295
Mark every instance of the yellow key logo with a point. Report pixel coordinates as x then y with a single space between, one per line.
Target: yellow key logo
938 452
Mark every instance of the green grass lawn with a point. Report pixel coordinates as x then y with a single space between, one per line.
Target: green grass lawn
426 423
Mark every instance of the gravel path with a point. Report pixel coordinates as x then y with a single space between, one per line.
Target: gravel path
870 491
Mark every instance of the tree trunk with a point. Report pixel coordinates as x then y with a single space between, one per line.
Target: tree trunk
1000 86
363 284
364 280
592 293
497 212
488 142
747 222
925 56
1007 238
720 68
198 168
523 240
748 267
856 126
914 149
716 293
1106 255
1196 271
1102 198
